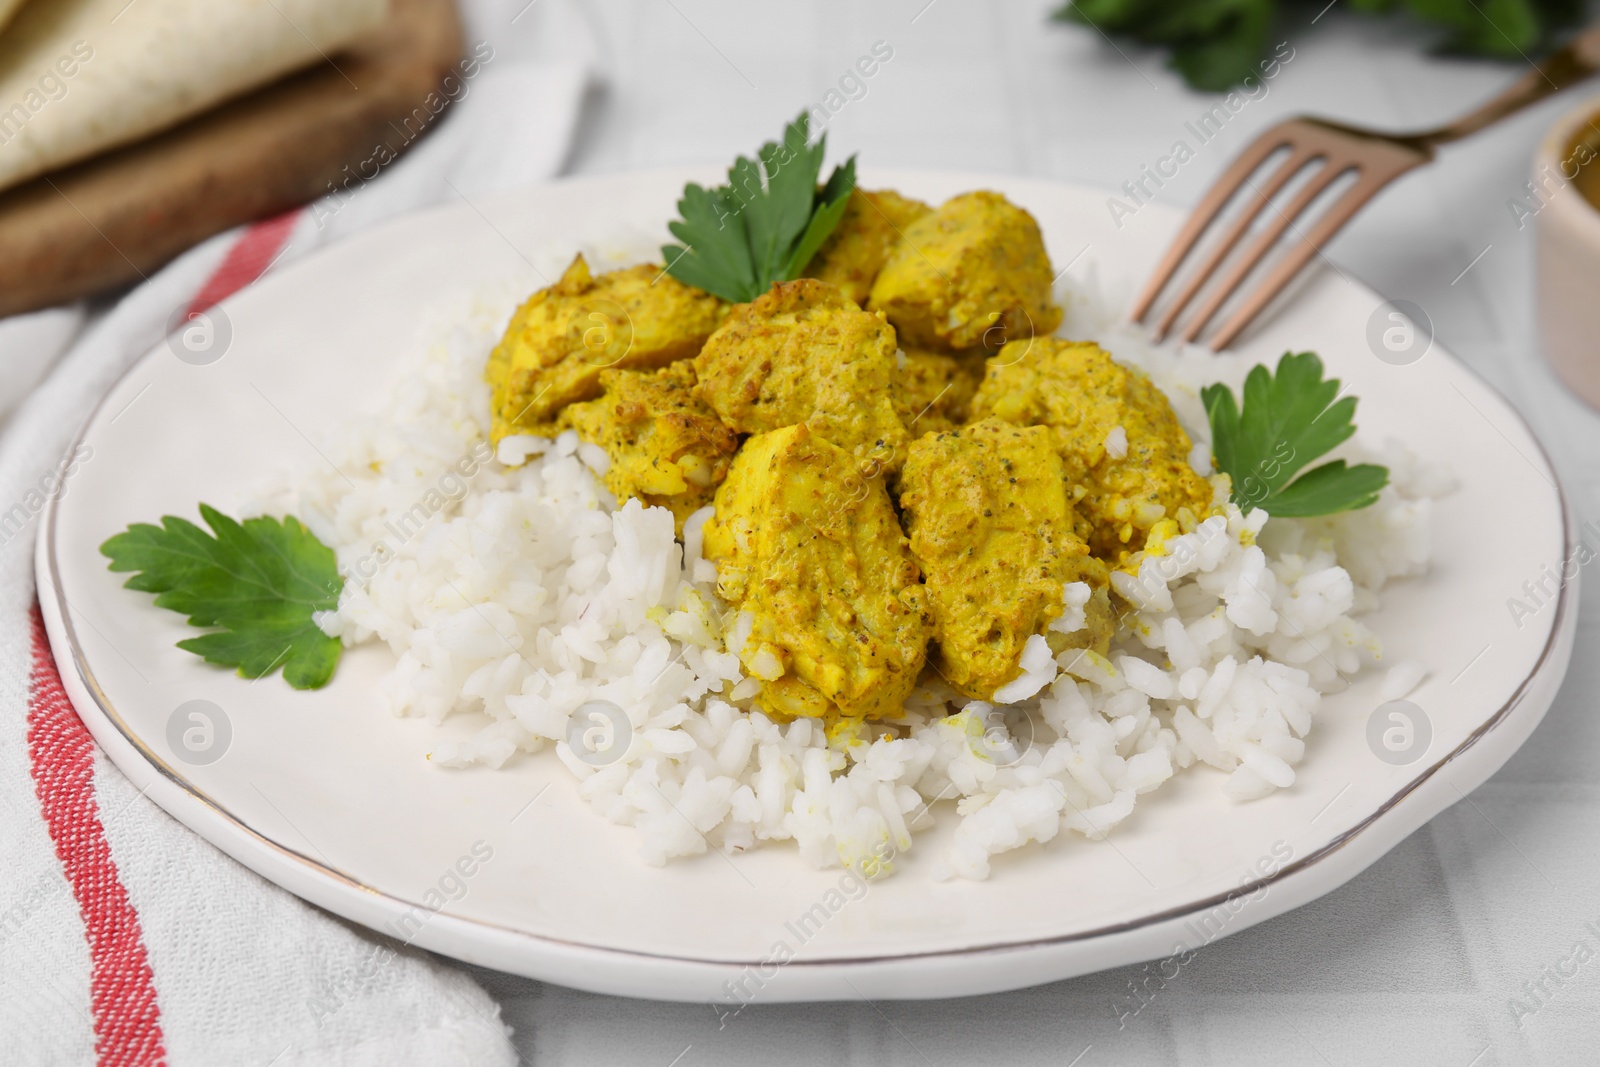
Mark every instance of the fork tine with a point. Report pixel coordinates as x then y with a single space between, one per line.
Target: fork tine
1298 160
1206 212
1331 223
1264 243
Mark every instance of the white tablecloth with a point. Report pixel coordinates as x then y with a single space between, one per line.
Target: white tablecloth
1418 959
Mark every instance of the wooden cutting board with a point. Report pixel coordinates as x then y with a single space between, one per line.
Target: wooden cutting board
119 217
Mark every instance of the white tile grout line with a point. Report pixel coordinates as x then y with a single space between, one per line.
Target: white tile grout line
1474 263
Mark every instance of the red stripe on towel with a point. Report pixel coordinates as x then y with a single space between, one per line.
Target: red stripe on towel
249 257
122 992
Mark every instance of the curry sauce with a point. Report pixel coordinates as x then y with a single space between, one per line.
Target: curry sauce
1585 151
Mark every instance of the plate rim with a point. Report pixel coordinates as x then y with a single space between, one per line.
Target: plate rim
62 636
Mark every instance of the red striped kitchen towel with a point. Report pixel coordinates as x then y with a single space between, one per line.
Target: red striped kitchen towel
124 938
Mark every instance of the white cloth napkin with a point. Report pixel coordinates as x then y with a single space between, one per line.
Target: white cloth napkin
124 938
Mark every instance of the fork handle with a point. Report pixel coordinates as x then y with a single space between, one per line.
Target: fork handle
1578 60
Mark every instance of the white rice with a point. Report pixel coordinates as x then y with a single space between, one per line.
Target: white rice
523 594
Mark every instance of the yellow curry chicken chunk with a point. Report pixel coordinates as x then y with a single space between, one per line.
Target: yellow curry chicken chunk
666 447
813 551
992 530
1125 455
802 352
932 391
973 273
562 337
860 245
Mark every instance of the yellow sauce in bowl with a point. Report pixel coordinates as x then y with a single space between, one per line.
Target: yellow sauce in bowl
1585 152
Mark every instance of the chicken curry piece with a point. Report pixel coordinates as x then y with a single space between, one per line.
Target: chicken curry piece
861 244
802 352
813 550
666 447
973 273
1126 457
992 529
932 390
560 340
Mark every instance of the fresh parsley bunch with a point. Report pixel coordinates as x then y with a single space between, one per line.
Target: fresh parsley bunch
765 224
1216 44
1288 420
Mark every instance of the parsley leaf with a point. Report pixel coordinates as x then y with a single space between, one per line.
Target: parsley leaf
258 582
1288 420
1215 43
765 224
1218 44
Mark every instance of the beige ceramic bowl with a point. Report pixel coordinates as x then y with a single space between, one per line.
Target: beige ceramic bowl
1567 179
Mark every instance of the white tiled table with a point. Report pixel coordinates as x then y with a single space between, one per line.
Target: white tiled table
1416 960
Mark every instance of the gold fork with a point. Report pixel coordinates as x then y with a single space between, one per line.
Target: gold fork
1375 158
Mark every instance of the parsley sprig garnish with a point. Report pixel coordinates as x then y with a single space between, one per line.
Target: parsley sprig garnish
765 224
258 582
1288 420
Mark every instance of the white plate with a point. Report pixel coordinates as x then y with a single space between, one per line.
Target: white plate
329 796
